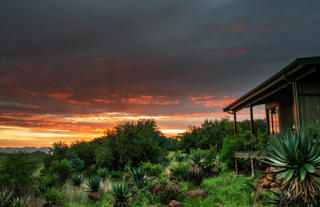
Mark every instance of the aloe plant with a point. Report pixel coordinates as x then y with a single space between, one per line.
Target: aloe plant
103 173
76 179
196 171
120 193
138 177
296 157
5 198
18 202
93 184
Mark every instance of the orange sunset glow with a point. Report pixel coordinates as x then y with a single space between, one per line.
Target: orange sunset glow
71 70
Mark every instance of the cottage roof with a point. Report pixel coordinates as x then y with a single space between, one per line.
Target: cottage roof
296 70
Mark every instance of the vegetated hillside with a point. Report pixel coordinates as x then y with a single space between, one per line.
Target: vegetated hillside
36 154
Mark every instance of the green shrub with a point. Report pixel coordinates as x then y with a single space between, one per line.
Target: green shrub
54 197
16 172
50 181
138 177
90 171
180 171
151 170
232 144
120 193
116 174
93 184
18 202
61 168
76 179
76 163
179 156
103 173
5 198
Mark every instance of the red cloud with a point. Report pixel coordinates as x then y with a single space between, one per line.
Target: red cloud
59 95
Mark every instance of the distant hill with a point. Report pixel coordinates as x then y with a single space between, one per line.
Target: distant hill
36 154
24 149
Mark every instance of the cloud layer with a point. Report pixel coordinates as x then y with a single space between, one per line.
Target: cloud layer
71 69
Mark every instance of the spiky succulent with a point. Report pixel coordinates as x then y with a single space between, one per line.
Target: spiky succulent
93 184
5 198
196 170
138 177
296 157
76 179
294 153
120 193
18 202
273 199
196 158
103 173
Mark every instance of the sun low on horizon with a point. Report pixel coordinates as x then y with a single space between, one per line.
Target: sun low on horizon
70 70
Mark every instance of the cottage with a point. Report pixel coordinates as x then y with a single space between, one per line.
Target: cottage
291 97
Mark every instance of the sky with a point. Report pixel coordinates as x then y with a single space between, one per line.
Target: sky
72 69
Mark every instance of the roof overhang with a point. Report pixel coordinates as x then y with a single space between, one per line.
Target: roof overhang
296 70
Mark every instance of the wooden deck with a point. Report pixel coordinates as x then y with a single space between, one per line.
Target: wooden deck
252 155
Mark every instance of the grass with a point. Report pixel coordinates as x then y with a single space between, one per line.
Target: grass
224 190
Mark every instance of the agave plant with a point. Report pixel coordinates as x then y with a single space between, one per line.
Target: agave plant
273 200
196 162
103 173
296 157
76 179
138 177
93 184
5 198
120 193
18 202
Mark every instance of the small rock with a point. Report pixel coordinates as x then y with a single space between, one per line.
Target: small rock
197 193
174 203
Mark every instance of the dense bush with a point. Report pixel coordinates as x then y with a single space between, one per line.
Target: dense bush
54 197
232 144
180 171
151 170
61 168
16 172
50 181
132 143
76 163
212 133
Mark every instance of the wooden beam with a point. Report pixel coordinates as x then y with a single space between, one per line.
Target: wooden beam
267 119
235 123
296 110
251 120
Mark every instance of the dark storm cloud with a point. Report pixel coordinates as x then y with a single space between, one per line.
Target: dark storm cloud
106 55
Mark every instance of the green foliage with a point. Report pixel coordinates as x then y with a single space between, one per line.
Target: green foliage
197 157
151 170
274 199
132 143
62 168
210 133
59 150
120 192
76 179
294 154
224 190
180 171
93 184
16 172
138 177
85 151
232 144
54 197
116 174
18 202
103 173
168 191
50 181
5 198
180 156
76 163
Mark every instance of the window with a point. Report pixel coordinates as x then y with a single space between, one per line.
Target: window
274 124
